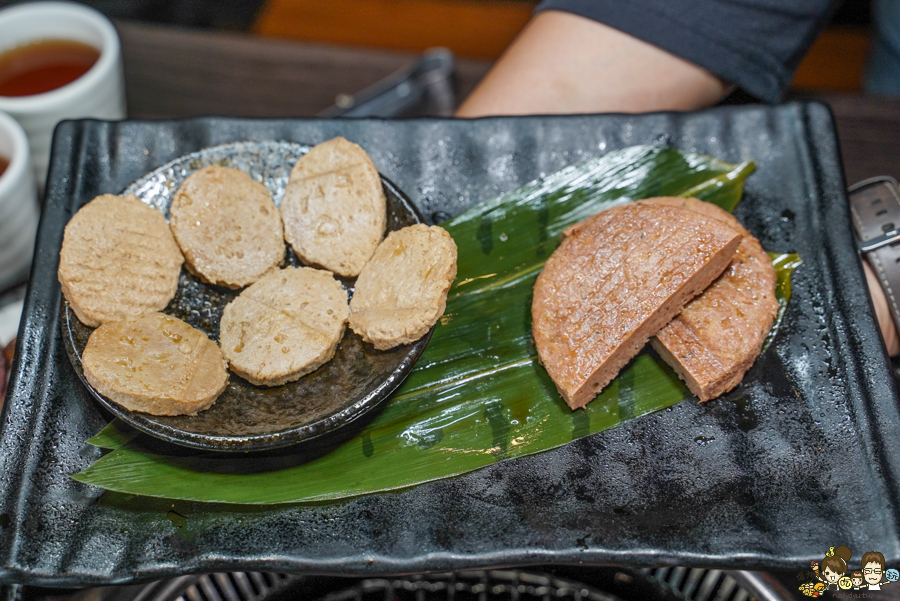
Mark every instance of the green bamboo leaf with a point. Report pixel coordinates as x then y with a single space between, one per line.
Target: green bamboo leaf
478 394
113 437
785 264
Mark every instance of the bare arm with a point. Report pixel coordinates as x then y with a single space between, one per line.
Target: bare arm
564 63
882 312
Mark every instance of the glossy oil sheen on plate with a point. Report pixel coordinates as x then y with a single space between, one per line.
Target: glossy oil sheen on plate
247 417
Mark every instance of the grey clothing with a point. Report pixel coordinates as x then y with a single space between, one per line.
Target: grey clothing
883 69
754 44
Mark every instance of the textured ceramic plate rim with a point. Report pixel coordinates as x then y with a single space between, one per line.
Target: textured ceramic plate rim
146 423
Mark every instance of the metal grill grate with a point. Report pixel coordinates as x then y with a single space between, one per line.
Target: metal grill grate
536 584
230 586
493 585
697 584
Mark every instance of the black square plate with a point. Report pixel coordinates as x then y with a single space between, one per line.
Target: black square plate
769 479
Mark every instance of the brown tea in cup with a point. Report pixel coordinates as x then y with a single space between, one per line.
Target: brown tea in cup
43 66
4 163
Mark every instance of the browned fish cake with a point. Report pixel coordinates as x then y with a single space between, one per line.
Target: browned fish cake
402 291
615 280
227 226
118 260
717 336
284 326
155 363
334 207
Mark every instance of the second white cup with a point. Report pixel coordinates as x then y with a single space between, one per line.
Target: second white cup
18 204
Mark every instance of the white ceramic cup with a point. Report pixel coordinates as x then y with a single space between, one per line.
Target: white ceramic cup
99 93
18 204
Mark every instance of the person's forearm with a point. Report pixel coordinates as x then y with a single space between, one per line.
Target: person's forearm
564 63
882 312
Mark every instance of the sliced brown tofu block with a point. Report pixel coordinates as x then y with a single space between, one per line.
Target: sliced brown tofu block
616 279
716 338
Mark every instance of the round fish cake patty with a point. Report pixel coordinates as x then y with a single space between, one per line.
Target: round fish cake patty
334 207
227 226
615 280
717 336
284 326
402 291
118 259
155 363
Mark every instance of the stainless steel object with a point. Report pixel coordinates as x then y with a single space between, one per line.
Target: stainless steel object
425 88
529 584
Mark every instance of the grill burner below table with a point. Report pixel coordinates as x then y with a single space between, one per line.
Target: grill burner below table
531 584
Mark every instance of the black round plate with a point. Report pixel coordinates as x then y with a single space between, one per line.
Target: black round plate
247 417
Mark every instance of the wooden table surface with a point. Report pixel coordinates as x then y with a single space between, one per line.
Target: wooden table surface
171 73
869 132
180 73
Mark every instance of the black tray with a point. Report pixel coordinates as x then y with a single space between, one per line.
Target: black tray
769 479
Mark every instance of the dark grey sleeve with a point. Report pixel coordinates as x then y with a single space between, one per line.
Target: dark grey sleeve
754 44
